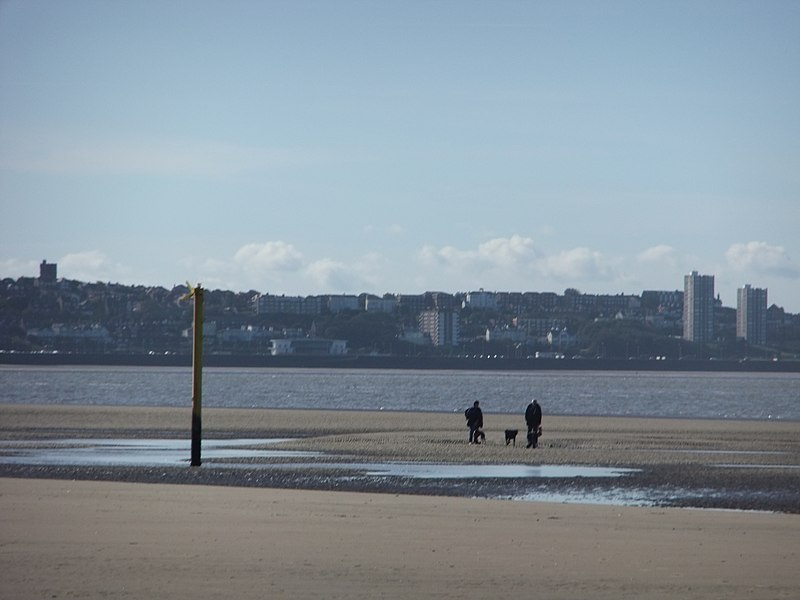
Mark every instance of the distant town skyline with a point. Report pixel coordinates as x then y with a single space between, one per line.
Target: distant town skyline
48 272
323 148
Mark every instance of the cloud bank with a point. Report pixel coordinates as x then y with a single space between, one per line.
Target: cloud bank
512 263
760 257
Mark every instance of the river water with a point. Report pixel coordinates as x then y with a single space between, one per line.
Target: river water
758 396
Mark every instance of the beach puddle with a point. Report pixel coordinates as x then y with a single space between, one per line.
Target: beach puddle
135 453
450 471
712 452
161 452
442 471
737 466
610 497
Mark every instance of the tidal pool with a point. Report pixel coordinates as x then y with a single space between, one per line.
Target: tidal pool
135 453
163 452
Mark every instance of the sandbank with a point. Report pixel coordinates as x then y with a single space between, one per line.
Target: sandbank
64 539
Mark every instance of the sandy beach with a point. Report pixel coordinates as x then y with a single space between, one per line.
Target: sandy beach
70 532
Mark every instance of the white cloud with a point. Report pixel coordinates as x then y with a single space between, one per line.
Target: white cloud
507 253
513 262
361 275
448 256
91 265
335 276
661 254
760 257
269 256
575 265
15 268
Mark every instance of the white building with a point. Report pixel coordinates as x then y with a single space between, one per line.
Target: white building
481 300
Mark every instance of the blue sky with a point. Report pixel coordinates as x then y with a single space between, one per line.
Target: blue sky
343 147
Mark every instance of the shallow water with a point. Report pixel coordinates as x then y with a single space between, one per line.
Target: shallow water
175 452
134 453
440 471
528 483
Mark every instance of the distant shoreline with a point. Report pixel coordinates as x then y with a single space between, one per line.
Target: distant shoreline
401 362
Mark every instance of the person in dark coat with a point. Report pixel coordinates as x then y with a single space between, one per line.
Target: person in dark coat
533 417
474 417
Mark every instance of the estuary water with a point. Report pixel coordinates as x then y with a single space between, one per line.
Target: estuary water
757 396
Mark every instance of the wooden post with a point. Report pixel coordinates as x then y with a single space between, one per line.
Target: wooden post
197 376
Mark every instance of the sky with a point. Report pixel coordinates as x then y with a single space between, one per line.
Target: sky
325 147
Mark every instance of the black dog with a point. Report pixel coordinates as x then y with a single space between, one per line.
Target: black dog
511 436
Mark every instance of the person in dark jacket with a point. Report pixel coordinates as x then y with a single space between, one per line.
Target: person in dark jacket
533 417
474 417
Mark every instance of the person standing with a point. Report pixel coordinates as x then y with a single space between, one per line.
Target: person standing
533 417
474 417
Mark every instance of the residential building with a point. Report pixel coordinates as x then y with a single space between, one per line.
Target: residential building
295 305
698 308
540 301
539 327
481 300
410 305
380 305
441 326
337 304
440 300
663 301
751 314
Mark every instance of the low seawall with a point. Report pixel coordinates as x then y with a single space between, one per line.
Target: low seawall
399 362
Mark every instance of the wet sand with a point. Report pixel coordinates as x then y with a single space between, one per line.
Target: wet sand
694 463
64 536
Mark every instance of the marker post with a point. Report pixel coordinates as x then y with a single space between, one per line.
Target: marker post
197 375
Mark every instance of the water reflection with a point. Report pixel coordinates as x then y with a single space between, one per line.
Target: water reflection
441 471
164 452
135 453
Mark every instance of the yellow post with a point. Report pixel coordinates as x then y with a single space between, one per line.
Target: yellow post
197 375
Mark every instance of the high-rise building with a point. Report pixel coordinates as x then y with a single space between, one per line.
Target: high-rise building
751 314
441 326
698 308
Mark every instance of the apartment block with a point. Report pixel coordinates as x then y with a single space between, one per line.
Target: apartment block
698 308
441 326
751 314
295 305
